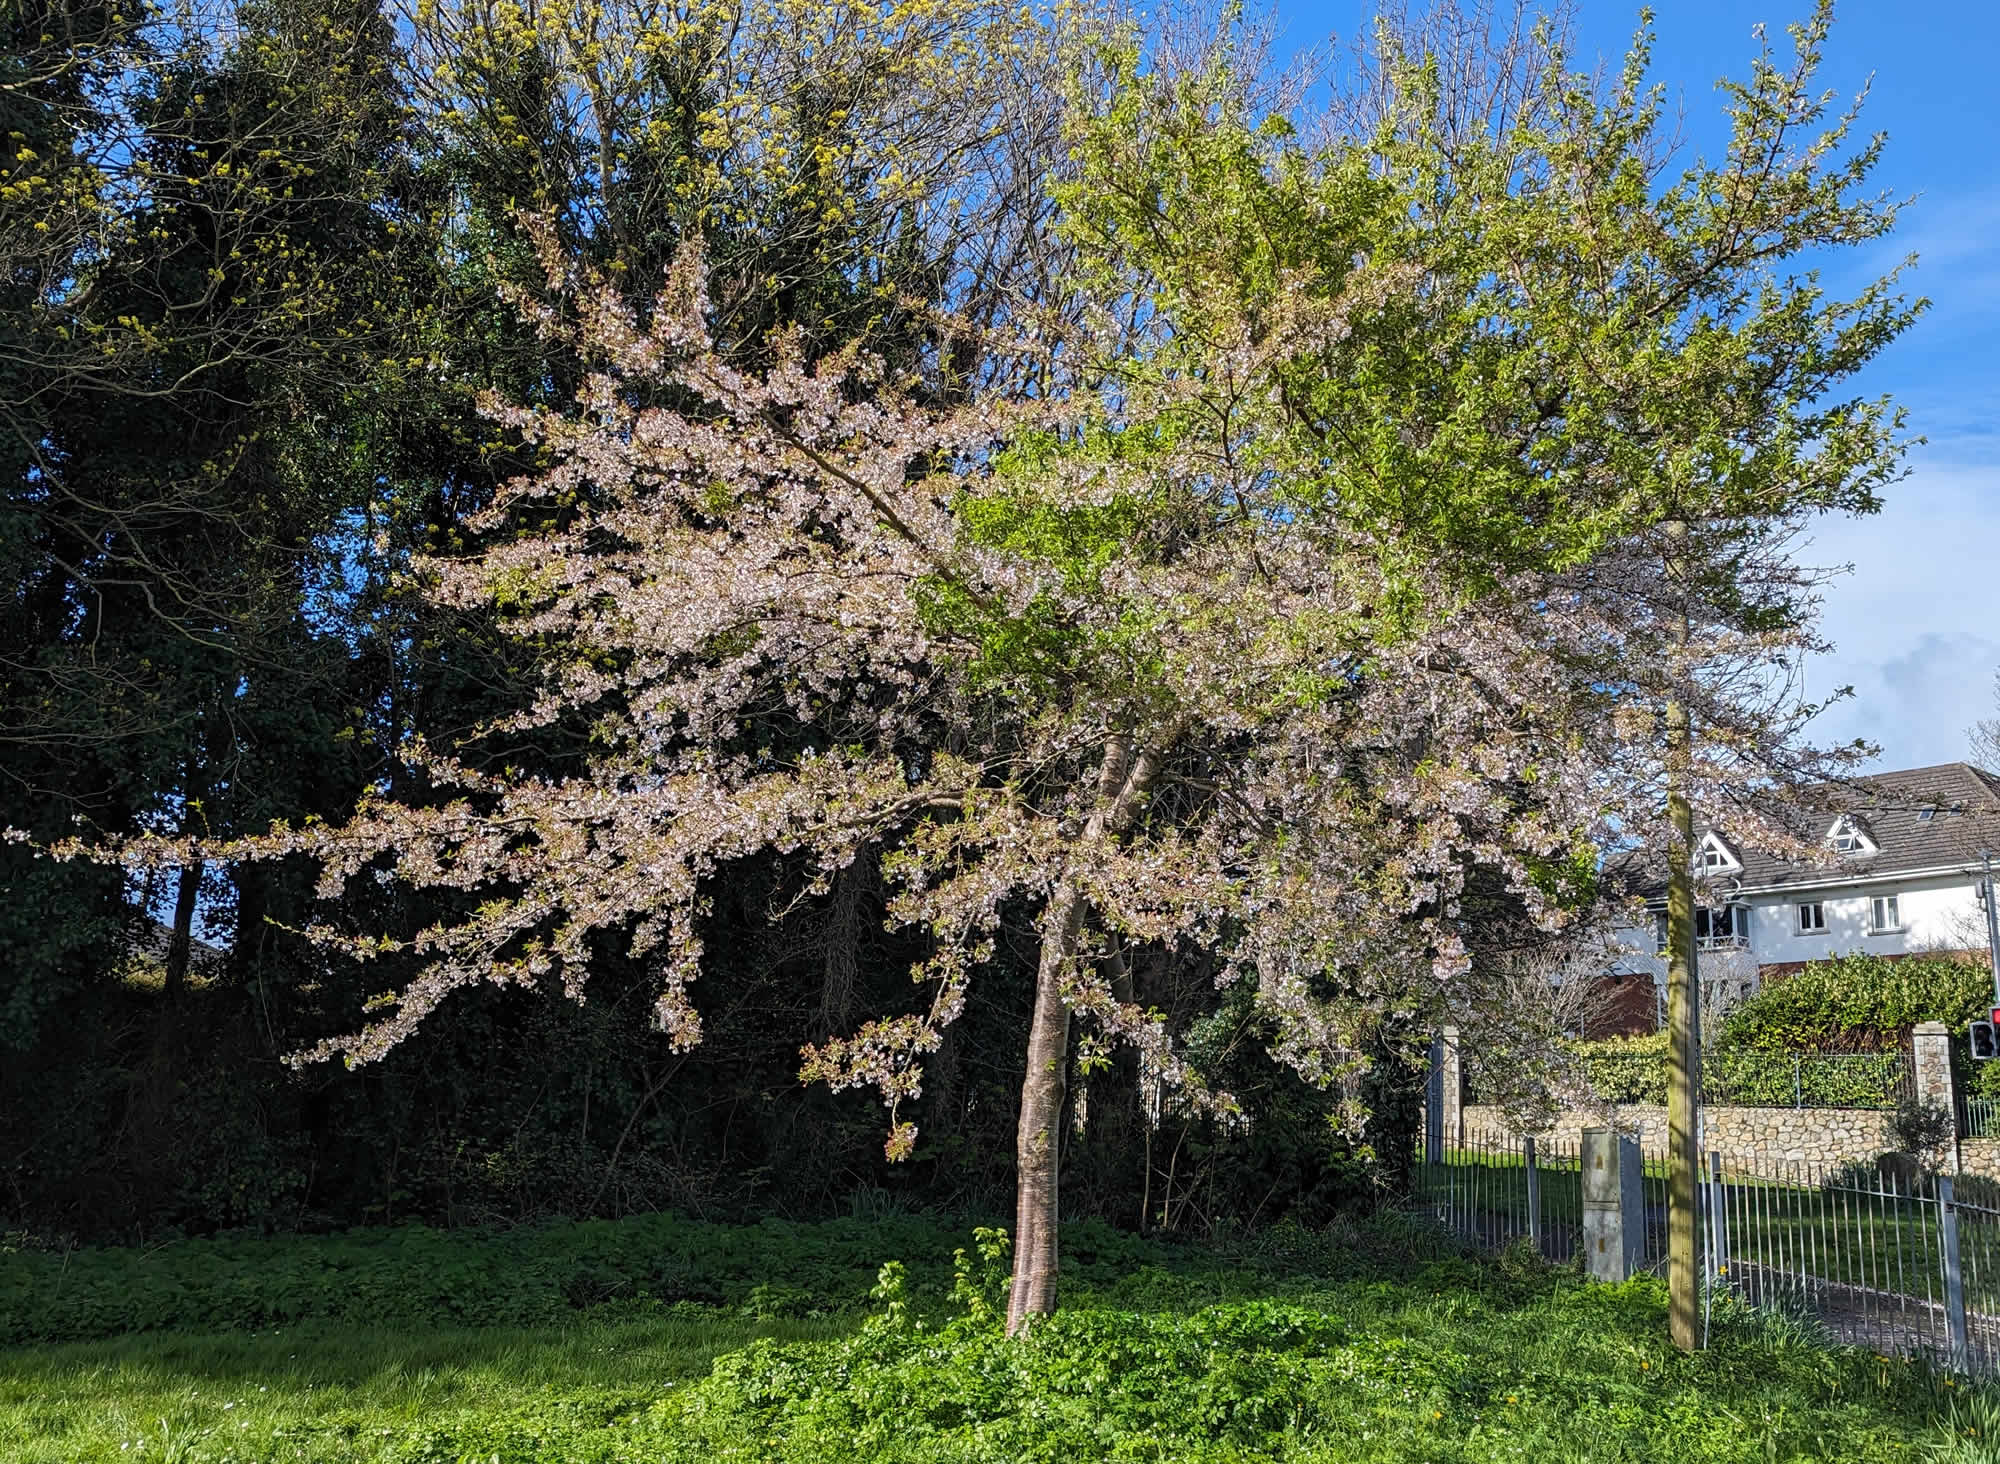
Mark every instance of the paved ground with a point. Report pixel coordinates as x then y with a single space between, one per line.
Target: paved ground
1887 1321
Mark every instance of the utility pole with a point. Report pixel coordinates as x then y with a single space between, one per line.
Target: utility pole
1992 926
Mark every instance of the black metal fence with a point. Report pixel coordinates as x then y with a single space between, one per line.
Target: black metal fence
1979 1118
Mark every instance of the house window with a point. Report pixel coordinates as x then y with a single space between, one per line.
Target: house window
1925 815
1712 853
1847 838
1725 929
1812 917
1883 915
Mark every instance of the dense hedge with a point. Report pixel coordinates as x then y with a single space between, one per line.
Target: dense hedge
1857 1003
1629 1073
1832 1035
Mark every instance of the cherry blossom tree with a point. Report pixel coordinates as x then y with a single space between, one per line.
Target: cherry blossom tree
1296 566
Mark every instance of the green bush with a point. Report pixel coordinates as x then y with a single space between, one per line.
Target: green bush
1829 1036
1857 1003
1627 1069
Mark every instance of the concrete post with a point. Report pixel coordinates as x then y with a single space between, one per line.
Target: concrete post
1614 1205
1930 1044
1451 1080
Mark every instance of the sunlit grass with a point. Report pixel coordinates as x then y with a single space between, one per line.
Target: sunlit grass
326 1392
1376 1342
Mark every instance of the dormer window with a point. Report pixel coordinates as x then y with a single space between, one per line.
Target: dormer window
1712 856
1847 838
1925 815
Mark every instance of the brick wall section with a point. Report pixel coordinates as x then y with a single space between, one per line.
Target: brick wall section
1818 1137
1628 1006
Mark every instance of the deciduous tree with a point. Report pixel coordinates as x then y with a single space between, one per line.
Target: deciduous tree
1294 571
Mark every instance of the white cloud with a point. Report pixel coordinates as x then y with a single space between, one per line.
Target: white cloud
1916 626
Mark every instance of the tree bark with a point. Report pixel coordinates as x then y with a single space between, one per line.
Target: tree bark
1122 784
180 940
1683 1049
1038 1137
1683 1031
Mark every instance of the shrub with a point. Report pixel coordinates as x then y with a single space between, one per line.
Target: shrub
1827 1037
1627 1069
1858 1003
1921 1129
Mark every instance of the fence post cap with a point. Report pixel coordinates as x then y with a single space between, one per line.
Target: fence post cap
1931 1029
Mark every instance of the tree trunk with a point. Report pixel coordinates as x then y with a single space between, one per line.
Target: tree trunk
1683 997
1683 1044
180 940
1038 1138
1122 784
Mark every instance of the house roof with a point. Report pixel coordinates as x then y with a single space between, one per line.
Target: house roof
1919 818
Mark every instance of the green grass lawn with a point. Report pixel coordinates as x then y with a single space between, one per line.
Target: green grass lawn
329 1392
1361 1344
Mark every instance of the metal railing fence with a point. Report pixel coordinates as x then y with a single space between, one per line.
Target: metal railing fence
1759 1079
1979 1118
1497 1190
1883 1256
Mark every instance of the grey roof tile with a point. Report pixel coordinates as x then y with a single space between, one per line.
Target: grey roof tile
1963 818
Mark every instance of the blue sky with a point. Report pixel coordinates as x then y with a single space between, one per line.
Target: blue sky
1916 625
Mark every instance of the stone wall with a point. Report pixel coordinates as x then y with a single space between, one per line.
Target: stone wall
1979 1156
1819 1137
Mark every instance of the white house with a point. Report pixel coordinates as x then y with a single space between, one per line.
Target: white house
1901 874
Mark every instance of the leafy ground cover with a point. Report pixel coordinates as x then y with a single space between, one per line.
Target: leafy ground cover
1357 1344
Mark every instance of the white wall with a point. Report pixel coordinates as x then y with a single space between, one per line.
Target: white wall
1937 914
1639 947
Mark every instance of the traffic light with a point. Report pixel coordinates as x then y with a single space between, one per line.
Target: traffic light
1984 1045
